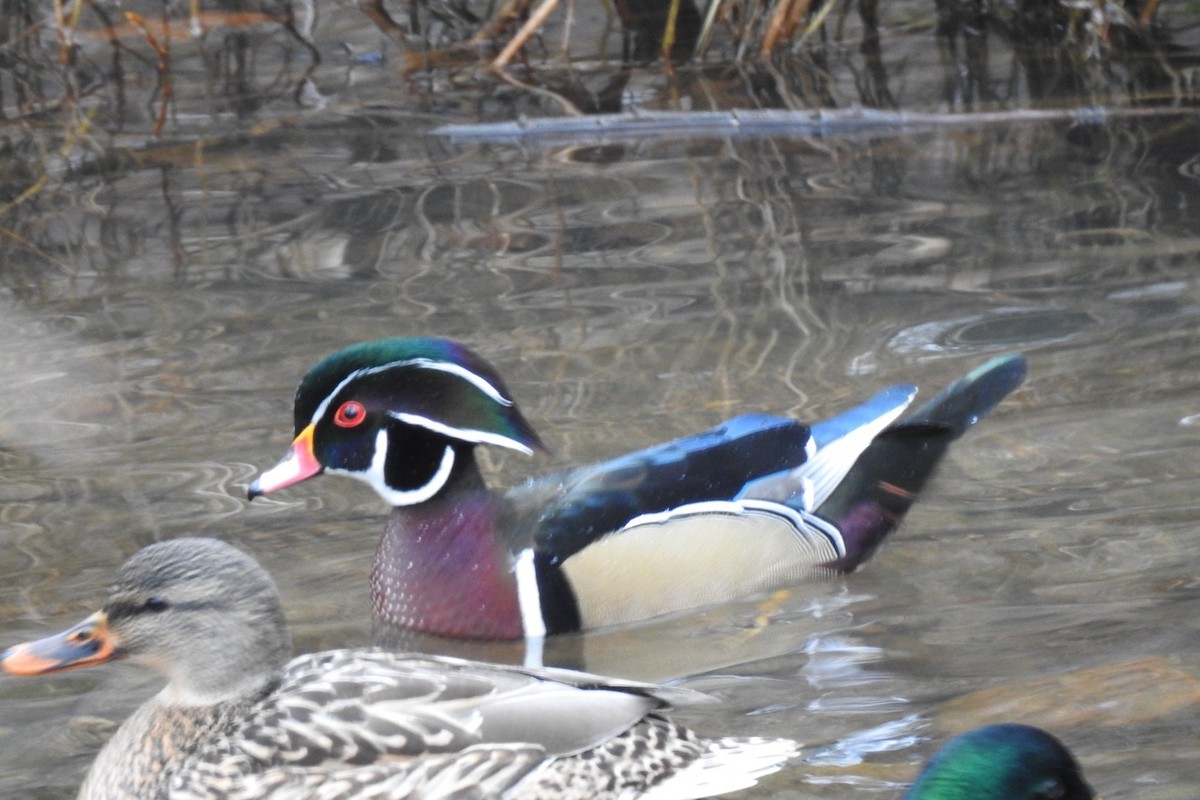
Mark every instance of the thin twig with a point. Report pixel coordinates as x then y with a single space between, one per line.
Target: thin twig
818 20
570 108
668 39
1147 15
522 37
779 10
512 11
710 18
163 51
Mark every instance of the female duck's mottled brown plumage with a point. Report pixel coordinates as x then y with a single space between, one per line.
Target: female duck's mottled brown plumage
238 720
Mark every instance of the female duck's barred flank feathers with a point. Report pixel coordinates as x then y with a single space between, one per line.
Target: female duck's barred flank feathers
480 770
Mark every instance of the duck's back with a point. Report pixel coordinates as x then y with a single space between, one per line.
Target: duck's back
357 724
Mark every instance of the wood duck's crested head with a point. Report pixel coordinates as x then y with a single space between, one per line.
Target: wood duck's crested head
401 414
1002 762
198 610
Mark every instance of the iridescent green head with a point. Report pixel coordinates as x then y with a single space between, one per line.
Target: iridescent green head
1002 762
400 414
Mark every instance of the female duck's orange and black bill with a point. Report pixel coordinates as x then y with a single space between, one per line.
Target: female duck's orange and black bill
85 644
298 465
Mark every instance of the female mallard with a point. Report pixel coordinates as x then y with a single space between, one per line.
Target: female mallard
238 721
754 504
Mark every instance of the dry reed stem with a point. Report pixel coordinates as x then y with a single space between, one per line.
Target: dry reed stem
522 37
668 39
710 18
784 18
65 30
818 20
383 20
163 51
509 13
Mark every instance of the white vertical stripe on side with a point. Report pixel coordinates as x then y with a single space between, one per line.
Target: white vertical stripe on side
528 595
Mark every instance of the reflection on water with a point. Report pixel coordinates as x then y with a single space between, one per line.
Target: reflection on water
1049 565
631 293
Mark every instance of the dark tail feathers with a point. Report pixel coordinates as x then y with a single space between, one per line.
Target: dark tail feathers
886 479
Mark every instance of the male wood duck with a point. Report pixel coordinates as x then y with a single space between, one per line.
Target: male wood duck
238 721
754 504
1002 762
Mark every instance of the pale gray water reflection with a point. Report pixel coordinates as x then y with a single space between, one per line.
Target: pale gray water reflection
630 295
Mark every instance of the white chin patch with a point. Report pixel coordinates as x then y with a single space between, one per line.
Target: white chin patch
374 476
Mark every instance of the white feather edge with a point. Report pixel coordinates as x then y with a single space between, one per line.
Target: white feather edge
729 765
804 524
820 474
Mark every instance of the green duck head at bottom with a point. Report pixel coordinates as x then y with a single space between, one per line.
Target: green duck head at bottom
1006 761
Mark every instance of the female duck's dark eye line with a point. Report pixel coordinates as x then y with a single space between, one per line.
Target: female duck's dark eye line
350 414
155 604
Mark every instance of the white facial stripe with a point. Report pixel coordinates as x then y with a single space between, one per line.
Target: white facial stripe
374 476
462 434
801 521
528 596
473 378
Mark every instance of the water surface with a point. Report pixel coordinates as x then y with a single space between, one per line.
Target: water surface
631 292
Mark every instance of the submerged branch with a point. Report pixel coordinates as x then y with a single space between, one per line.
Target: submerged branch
770 122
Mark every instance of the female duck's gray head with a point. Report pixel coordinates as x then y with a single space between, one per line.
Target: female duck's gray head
198 610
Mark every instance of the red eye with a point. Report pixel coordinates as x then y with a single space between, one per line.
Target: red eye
350 414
